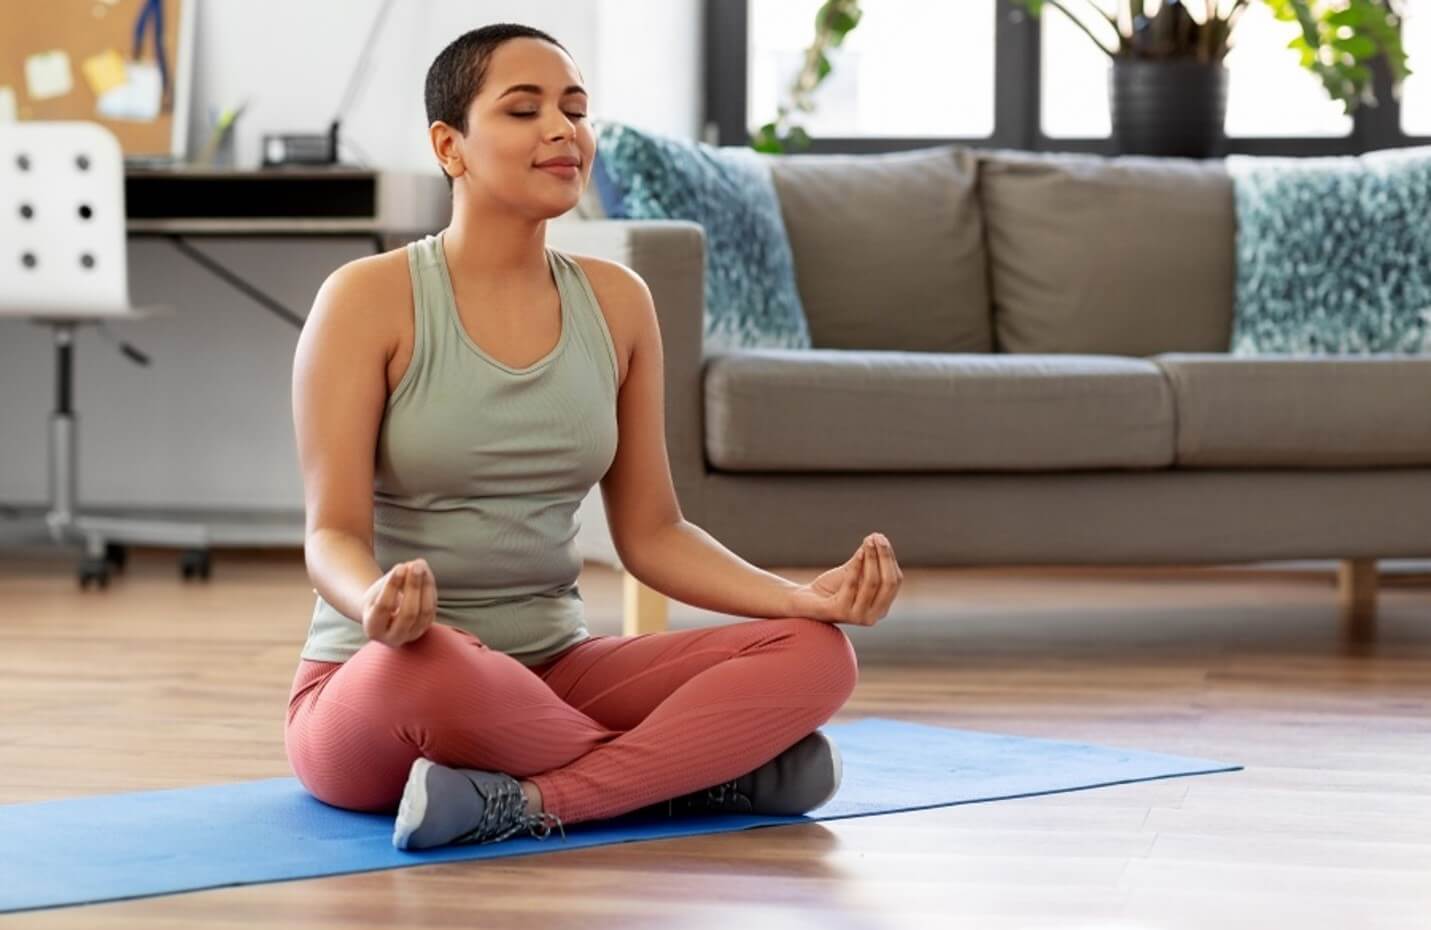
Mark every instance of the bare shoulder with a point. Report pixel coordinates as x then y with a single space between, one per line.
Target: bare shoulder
366 304
622 292
612 279
373 281
625 302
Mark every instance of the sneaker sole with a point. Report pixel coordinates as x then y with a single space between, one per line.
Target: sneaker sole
414 803
839 770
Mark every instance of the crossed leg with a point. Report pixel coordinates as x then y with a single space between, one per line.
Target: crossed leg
611 725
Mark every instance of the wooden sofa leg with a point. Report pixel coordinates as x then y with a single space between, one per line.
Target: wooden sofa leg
643 609
1356 588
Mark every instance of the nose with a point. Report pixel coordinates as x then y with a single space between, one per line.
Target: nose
560 128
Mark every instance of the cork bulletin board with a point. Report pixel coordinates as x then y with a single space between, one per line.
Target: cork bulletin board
125 64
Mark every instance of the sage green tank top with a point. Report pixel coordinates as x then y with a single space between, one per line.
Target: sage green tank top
481 467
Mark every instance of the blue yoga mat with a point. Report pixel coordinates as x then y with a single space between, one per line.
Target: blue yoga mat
133 845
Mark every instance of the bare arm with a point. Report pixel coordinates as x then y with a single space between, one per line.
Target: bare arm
339 392
653 539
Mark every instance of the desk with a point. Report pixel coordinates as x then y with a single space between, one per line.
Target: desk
178 202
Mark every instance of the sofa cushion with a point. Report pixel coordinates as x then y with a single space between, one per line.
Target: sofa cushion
1301 412
1333 253
752 299
1125 255
889 249
846 410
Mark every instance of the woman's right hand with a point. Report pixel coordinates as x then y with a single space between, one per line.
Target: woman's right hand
402 604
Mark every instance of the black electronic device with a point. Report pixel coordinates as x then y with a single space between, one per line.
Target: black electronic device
300 148
311 148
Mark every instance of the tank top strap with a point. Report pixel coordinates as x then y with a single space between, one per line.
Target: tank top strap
429 296
587 317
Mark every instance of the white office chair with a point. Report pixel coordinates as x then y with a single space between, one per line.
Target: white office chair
65 263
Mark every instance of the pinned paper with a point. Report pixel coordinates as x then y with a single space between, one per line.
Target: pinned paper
7 104
138 98
48 75
104 71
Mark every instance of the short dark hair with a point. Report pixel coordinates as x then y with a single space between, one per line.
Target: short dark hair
456 74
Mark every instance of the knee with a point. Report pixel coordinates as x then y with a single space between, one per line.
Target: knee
833 655
438 643
333 761
411 676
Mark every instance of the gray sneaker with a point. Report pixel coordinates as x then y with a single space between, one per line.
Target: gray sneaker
799 780
442 805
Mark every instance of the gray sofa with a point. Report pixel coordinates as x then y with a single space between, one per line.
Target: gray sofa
1022 359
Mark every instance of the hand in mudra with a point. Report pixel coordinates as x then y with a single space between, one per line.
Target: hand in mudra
402 604
858 592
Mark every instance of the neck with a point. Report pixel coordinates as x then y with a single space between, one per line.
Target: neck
493 244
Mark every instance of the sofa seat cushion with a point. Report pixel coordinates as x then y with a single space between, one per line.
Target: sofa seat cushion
1300 411
852 410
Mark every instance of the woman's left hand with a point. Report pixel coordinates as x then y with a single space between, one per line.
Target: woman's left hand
859 591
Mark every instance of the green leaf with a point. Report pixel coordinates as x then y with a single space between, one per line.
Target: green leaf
1359 47
1351 16
765 140
839 23
1357 73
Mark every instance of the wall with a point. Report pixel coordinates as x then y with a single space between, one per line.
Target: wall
313 45
209 423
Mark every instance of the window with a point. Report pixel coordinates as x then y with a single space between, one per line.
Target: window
1269 93
1416 91
887 79
918 72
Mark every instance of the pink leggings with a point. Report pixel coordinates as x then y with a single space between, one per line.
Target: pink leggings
612 724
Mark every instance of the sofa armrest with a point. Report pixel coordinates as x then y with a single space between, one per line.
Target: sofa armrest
669 255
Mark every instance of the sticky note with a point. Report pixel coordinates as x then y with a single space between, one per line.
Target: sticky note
104 71
7 104
47 75
138 98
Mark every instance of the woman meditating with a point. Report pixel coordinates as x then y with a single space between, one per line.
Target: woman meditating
454 402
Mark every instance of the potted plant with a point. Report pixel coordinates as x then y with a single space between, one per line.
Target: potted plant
1169 84
1169 88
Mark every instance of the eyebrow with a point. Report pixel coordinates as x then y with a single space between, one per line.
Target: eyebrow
536 89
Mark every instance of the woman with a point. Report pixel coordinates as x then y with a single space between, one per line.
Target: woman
454 402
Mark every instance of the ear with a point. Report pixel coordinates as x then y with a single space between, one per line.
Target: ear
445 146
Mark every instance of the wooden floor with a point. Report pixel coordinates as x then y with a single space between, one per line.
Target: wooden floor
155 683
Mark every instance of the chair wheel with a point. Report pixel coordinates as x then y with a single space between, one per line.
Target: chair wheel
116 555
195 563
92 569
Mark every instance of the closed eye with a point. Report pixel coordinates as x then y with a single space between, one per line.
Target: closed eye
572 115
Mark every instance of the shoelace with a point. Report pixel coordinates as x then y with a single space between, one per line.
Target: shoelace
504 804
545 819
717 794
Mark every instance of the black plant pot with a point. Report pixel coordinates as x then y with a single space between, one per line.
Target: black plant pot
1170 107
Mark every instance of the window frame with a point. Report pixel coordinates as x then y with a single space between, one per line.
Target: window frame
1017 56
